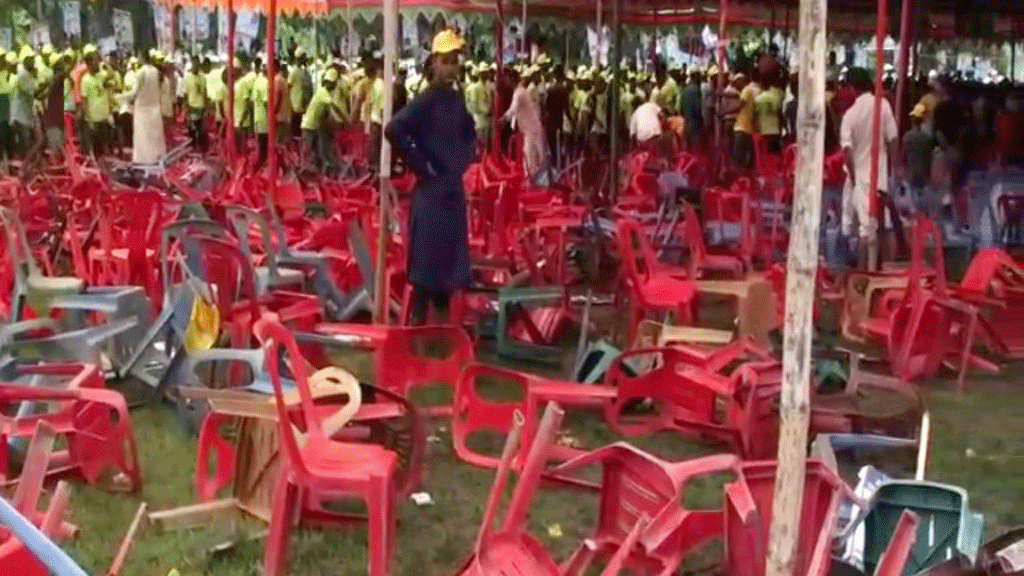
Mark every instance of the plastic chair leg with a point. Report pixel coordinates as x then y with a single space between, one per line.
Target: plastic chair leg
380 533
275 555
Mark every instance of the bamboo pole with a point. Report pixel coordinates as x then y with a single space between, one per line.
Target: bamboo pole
496 111
801 269
390 50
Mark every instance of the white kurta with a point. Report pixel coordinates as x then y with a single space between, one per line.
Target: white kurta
148 123
855 134
524 112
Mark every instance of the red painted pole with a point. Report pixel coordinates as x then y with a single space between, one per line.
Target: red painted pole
496 111
882 25
272 99
272 95
229 113
902 66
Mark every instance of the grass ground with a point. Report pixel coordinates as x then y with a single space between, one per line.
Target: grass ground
976 444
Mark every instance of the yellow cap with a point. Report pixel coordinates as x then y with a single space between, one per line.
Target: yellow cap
12 58
299 52
89 49
331 75
446 41
919 111
26 52
47 49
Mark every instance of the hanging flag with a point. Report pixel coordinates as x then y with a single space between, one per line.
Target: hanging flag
124 31
5 38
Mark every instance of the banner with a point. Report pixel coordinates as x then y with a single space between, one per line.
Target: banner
71 9
39 35
124 30
194 23
247 28
5 38
164 30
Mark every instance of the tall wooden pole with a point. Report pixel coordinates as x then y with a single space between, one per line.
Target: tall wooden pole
499 77
381 300
720 53
801 269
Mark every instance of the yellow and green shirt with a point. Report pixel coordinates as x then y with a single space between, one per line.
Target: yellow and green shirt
97 102
260 97
321 104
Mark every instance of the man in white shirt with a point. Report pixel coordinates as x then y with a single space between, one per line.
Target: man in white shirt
855 138
645 124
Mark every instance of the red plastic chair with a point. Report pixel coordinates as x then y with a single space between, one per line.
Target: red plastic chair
651 289
700 260
100 441
511 550
635 484
316 468
748 519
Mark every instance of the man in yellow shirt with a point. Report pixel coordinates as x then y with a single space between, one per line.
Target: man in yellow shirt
260 112
97 105
666 94
283 116
195 102
299 89
8 64
243 103
315 125
743 131
768 108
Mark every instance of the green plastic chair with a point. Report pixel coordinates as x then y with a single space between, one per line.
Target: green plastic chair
948 528
513 301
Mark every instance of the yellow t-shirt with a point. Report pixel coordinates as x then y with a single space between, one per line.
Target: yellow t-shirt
195 90
260 96
341 97
376 98
97 103
243 98
768 105
295 88
319 105
745 115
929 101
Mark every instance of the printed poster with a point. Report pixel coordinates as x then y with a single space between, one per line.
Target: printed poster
39 34
124 31
5 38
71 9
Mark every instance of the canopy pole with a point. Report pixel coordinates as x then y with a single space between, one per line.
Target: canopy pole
499 77
229 113
524 49
902 66
723 17
785 39
272 97
614 104
381 300
801 270
882 25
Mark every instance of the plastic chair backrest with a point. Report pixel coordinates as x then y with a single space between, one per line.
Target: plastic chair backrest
223 266
19 252
635 251
275 337
175 231
243 219
925 230
695 238
822 491
948 528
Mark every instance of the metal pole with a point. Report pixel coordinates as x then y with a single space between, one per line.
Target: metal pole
271 96
723 17
381 299
614 97
523 48
801 270
902 66
882 25
496 111
229 114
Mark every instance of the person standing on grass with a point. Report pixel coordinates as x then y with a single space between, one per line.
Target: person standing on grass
435 136
316 131
918 150
148 144
195 100
97 105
